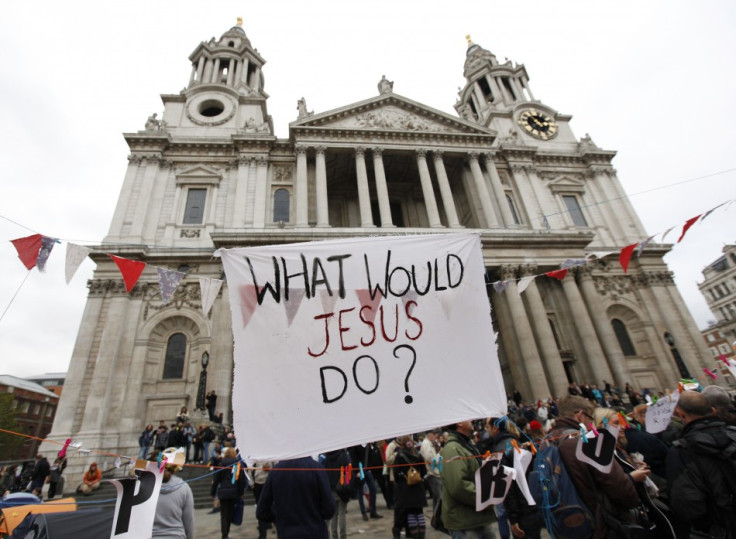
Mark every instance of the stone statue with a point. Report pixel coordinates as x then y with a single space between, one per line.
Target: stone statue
587 142
385 86
152 124
301 106
466 112
250 125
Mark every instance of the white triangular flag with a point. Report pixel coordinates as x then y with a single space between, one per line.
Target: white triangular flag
209 290
524 282
75 255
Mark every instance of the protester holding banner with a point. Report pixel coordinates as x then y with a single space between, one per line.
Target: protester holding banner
175 506
229 488
588 479
461 459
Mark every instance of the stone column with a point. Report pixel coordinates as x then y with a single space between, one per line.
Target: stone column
448 202
494 87
238 71
323 218
302 218
547 345
230 72
244 71
508 342
250 202
482 190
260 196
593 351
527 344
241 192
384 204
200 69
364 195
429 201
207 74
216 72
498 190
616 359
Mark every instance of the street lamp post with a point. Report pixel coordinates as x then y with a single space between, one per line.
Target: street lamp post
202 381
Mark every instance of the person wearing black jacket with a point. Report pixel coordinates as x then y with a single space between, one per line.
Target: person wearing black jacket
409 499
228 491
40 471
701 471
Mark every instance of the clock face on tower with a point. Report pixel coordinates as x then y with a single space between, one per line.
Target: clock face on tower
538 124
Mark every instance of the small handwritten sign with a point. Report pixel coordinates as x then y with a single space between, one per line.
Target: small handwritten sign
659 414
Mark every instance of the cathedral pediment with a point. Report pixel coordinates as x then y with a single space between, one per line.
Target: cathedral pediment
389 112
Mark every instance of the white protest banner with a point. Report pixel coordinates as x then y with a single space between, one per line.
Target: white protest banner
659 414
135 507
492 482
349 341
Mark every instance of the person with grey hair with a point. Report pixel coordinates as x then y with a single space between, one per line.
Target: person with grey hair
721 403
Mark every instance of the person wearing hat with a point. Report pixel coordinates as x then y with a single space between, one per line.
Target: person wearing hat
175 506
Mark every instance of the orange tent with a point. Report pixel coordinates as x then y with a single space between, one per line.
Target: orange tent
10 517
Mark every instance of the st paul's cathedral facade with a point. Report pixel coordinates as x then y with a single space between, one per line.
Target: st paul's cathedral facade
210 173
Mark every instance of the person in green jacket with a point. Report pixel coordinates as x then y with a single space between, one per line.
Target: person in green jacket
460 460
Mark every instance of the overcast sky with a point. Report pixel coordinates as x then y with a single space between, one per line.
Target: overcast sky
653 81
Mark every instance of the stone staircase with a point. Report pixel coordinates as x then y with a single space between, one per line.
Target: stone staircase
106 495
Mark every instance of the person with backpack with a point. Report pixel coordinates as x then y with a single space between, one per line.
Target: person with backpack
409 493
701 471
228 490
589 481
335 464
461 459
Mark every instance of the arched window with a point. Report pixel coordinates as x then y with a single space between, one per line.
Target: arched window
176 351
622 334
281 206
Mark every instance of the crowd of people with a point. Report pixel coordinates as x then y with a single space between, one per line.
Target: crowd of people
681 481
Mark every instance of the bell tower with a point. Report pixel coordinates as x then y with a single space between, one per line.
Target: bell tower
491 86
225 90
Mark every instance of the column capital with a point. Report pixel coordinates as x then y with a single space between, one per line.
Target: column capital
508 271
421 152
301 148
320 149
526 270
377 151
262 161
438 154
359 151
489 156
473 156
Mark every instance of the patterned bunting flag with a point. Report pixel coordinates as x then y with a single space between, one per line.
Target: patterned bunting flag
500 286
130 270
43 255
573 262
28 249
642 245
168 281
75 255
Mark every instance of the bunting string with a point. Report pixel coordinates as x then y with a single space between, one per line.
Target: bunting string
34 251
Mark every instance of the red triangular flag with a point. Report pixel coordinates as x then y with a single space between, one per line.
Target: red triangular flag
625 256
557 274
690 222
28 249
130 269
